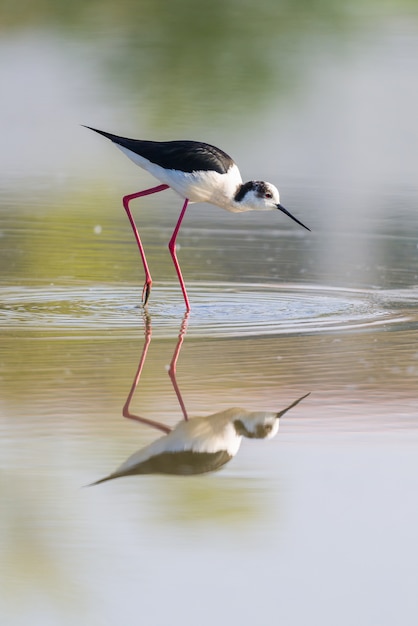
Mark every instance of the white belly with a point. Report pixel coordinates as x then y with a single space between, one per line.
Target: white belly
203 186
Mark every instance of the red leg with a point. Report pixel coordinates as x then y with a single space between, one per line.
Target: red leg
126 200
173 365
126 412
172 248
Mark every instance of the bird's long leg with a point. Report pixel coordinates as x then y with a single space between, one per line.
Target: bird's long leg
173 365
126 200
126 409
172 248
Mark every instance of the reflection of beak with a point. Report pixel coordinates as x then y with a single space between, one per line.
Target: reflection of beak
286 212
296 401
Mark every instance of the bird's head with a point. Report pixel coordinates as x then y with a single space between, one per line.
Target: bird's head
257 195
261 424
257 425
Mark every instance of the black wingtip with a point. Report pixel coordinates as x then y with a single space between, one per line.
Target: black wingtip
101 480
100 132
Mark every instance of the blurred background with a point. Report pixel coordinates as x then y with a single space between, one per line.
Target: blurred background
319 525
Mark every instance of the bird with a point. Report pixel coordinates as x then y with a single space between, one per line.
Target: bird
200 444
198 172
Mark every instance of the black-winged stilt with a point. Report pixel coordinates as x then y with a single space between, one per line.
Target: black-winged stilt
198 445
198 172
201 444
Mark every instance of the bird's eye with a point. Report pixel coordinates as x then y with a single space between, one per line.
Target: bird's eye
268 195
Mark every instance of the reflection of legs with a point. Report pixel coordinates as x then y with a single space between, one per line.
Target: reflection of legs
172 248
126 412
126 200
173 365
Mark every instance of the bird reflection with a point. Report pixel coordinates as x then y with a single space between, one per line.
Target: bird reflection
198 445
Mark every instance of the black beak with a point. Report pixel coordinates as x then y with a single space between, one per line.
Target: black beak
293 403
286 212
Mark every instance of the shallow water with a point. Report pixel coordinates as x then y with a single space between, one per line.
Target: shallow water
219 310
317 524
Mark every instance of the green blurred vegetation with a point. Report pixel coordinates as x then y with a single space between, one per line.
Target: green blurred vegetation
141 15
195 59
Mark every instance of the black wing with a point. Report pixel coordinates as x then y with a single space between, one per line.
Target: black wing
185 463
185 156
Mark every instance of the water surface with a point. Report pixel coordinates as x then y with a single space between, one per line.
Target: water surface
317 524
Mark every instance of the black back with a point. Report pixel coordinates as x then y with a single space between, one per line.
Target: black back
185 156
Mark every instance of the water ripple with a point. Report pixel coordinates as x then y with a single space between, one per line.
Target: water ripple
218 310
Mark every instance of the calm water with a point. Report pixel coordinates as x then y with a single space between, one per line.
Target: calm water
318 524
